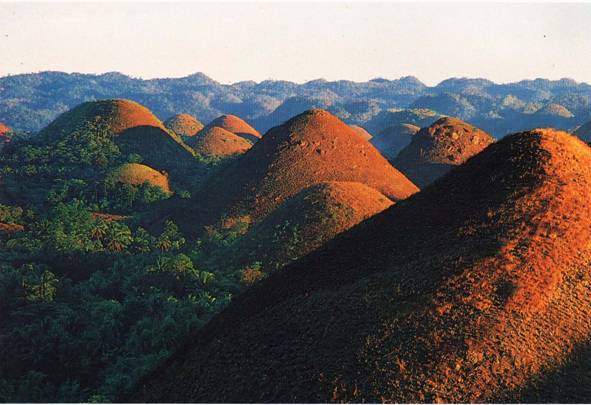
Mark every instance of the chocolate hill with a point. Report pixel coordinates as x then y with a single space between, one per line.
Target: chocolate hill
237 126
219 143
184 124
115 115
133 127
137 174
477 289
306 221
392 140
434 150
312 147
361 132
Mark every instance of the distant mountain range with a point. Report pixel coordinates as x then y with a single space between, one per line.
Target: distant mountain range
28 102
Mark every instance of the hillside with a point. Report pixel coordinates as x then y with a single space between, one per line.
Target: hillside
236 125
158 148
137 174
4 134
131 126
310 148
305 222
72 156
216 142
584 132
116 115
436 149
362 132
183 124
392 140
477 291
4 129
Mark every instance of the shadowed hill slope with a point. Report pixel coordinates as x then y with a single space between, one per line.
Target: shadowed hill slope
306 221
137 174
184 124
237 126
217 142
584 132
434 150
392 140
157 147
310 148
466 292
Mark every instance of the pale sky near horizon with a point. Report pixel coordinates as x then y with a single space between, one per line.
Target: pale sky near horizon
231 42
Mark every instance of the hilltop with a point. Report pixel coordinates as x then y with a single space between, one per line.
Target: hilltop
137 174
310 148
434 150
477 291
237 126
184 124
115 115
219 143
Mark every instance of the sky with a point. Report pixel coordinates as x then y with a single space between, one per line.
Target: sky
232 42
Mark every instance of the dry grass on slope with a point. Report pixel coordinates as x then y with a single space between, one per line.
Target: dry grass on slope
475 290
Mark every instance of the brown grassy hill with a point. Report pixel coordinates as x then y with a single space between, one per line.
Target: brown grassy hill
362 132
159 148
118 115
475 290
137 174
217 142
584 132
184 124
236 125
392 140
434 150
306 221
312 147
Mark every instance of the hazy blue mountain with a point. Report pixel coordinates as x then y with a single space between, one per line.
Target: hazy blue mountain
28 102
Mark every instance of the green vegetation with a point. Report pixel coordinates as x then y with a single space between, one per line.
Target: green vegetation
89 305
90 301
